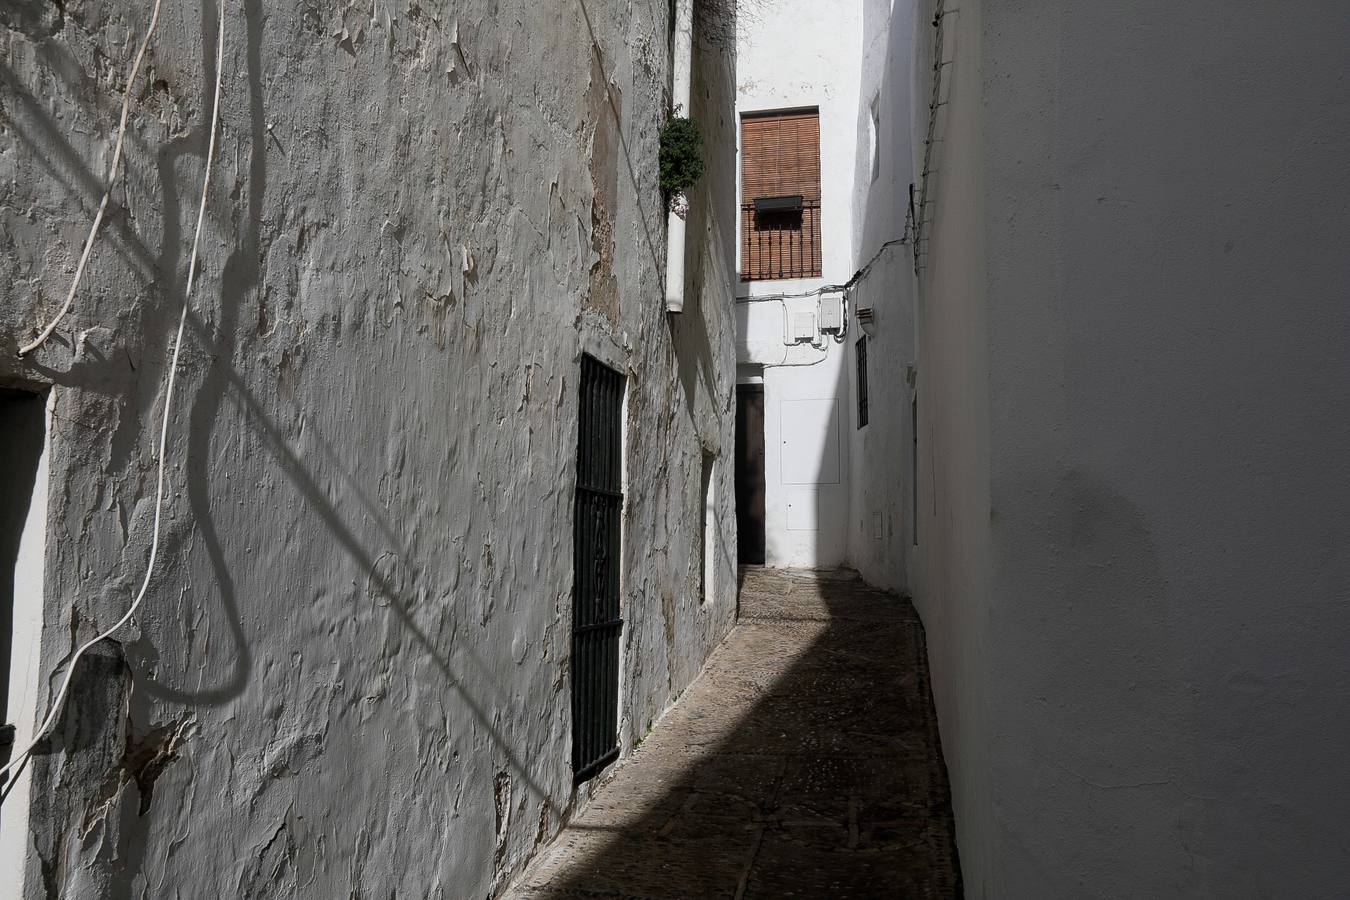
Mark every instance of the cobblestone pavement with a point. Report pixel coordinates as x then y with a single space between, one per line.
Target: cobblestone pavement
803 762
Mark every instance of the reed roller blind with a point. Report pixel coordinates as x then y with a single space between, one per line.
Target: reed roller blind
780 157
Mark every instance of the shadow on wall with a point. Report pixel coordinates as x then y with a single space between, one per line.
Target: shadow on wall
102 689
710 209
105 720
805 760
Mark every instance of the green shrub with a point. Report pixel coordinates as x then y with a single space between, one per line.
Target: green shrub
681 155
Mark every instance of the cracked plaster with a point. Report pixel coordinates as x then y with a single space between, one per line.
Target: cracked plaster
350 676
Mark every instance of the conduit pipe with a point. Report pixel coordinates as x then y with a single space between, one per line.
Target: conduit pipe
681 74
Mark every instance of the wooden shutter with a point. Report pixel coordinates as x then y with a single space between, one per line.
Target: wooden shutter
780 157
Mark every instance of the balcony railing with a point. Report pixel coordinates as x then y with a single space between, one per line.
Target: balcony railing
780 243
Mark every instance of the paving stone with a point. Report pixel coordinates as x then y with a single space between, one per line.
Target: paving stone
803 762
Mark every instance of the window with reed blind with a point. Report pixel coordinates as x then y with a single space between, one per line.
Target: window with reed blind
780 195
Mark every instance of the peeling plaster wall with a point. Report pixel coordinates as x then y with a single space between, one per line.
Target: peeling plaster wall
350 675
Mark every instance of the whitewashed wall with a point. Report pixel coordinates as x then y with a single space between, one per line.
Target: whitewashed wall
1132 353
882 499
350 676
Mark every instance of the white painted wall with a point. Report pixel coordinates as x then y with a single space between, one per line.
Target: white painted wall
881 502
951 573
25 681
1132 350
790 54
353 660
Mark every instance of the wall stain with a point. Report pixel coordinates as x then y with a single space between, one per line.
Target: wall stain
144 759
501 798
604 165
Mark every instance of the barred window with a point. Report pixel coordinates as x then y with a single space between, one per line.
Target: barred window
861 347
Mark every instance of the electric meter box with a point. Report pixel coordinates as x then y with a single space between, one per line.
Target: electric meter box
831 313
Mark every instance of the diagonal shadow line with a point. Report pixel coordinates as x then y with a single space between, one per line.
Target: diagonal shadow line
203 414
60 62
313 493
64 164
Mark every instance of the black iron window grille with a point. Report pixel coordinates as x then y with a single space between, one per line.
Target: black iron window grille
596 625
861 354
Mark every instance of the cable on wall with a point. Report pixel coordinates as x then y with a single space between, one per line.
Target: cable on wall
829 288
55 709
940 13
107 192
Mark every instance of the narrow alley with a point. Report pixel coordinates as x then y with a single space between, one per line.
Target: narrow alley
689 448
804 761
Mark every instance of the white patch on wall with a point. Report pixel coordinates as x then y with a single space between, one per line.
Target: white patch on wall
810 434
25 681
803 509
874 134
709 546
760 333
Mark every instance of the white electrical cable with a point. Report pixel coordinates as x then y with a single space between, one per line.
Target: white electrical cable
164 426
107 192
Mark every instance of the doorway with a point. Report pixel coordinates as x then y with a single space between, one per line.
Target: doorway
750 474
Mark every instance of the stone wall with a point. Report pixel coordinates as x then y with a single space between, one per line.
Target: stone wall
350 675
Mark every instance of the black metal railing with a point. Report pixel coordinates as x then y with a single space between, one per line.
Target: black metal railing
780 243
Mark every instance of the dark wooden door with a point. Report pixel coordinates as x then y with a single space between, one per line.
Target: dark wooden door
596 625
750 474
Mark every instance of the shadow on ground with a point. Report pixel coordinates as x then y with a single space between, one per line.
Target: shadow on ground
803 762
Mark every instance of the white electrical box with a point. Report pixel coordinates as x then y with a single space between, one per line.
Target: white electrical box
803 326
832 312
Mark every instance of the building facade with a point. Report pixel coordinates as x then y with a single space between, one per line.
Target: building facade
354 670
836 482
796 106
